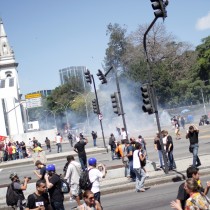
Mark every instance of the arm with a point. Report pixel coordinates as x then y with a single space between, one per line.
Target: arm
207 188
67 173
86 140
49 185
175 205
24 185
37 174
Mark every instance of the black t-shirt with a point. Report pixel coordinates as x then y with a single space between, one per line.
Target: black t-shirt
193 137
42 172
182 195
35 201
169 141
157 142
55 191
80 146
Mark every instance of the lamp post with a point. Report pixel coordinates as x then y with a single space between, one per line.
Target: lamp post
54 113
86 107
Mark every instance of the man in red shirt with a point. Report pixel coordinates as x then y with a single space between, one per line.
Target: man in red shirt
9 149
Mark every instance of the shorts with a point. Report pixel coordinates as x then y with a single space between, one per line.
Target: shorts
75 191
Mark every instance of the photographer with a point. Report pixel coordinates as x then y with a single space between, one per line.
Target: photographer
19 188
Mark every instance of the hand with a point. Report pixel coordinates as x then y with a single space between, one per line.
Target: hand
175 205
46 176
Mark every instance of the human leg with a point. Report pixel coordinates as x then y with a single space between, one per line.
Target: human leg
140 178
160 155
57 205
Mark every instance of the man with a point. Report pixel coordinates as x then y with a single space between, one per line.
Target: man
95 175
19 188
79 148
158 148
123 135
70 138
53 184
37 200
42 169
140 174
47 142
112 144
37 148
192 135
94 135
58 140
129 154
72 176
182 195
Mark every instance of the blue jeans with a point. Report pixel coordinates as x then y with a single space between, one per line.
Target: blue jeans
160 155
195 154
132 173
83 162
57 205
94 142
59 147
140 178
171 162
97 196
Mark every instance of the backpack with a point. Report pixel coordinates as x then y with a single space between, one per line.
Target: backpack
12 196
84 180
63 185
143 162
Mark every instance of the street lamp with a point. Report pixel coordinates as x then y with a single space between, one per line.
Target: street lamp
54 113
86 107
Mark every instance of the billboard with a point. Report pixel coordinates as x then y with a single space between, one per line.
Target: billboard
33 100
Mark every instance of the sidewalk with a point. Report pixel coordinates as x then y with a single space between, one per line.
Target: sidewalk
113 185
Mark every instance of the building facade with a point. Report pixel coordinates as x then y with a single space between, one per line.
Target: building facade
11 122
73 71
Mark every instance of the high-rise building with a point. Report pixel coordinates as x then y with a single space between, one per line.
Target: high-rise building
11 122
73 71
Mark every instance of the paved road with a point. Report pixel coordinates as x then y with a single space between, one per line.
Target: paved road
156 198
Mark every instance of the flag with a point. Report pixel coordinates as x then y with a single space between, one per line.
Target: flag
2 138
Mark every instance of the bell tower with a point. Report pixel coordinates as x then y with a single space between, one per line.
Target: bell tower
10 105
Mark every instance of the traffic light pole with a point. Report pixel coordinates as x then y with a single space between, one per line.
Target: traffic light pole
102 130
154 101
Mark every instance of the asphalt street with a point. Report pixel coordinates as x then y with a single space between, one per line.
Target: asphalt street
158 197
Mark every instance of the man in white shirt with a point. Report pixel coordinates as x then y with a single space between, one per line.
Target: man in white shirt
140 174
95 175
124 135
58 140
72 176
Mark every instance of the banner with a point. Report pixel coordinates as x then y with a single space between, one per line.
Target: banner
2 138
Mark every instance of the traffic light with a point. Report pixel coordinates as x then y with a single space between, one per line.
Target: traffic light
148 105
115 104
95 106
101 77
160 8
88 77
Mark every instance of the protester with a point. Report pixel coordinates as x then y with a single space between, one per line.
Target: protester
72 176
42 169
196 199
70 138
37 200
53 182
112 144
47 142
124 135
89 202
158 148
79 148
192 135
94 135
58 140
37 148
19 188
177 129
95 175
140 174
119 150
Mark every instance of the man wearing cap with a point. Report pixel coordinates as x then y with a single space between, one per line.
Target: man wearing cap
19 188
79 148
42 169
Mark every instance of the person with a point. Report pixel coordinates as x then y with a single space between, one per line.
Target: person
94 135
37 148
70 138
42 169
23 146
182 121
196 199
58 140
19 188
53 185
36 200
169 150
95 175
124 135
182 195
129 154
140 174
119 150
72 176
9 150
89 202
47 142
177 129
79 148
13 151
112 144
158 148
192 135
142 142
31 143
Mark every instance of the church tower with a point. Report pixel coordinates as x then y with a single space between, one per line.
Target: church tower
11 122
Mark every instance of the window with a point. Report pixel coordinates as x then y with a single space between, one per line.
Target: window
2 83
11 82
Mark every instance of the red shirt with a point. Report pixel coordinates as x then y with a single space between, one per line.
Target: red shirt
9 150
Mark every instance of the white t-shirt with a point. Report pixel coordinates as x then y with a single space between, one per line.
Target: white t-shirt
164 142
123 134
95 175
58 139
73 172
136 160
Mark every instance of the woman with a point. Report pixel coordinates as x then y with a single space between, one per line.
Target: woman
89 202
196 201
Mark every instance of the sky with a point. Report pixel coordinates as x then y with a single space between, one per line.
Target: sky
48 35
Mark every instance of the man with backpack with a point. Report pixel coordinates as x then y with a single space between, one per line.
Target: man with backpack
53 182
72 176
37 200
15 196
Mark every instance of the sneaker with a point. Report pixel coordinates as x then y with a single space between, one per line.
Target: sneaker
198 164
141 190
147 175
71 200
